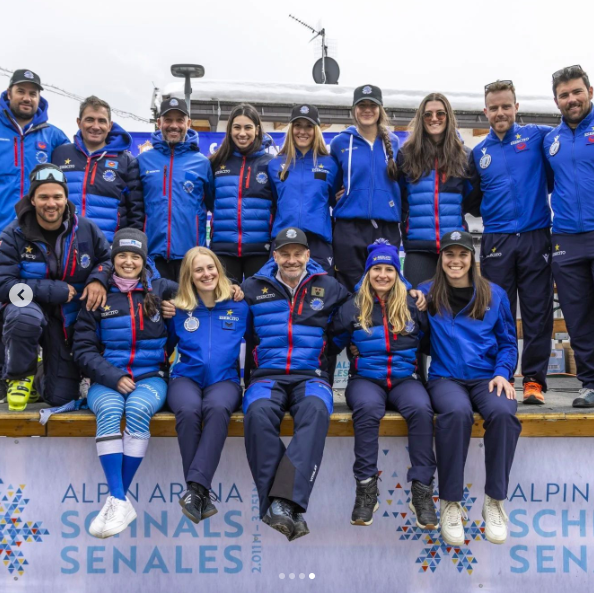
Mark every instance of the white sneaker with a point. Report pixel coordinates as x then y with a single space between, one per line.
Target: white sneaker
495 520
98 524
450 519
119 515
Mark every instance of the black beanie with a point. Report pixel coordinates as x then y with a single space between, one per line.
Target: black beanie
54 175
130 240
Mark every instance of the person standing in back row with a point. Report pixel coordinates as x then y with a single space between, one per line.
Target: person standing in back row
510 192
369 210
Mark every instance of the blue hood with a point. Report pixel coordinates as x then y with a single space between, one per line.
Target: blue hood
270 268
39 118
190 143
118 140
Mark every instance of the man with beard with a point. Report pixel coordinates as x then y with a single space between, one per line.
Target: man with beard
176 183
510 191
569 149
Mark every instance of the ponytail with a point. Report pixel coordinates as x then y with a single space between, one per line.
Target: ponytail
391 166
151 302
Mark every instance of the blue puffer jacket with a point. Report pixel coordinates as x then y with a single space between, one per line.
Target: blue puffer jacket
509 178
104 185
177 188
470 349
20 151
369 192
82 255
209 354
304 197
432 207
290 333
242 216
119 340
384 356
570 154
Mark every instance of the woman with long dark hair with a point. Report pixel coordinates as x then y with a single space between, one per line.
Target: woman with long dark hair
434 184
242 215
473 357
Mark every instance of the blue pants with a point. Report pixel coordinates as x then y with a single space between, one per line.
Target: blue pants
201 421
27 328
521 264
454 402
369 401
573 268
279 471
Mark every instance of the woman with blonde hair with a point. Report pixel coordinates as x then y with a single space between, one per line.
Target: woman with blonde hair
385 327
304 179
204 388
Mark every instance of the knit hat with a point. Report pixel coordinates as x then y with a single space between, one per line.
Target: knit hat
46 173
382 253
130 240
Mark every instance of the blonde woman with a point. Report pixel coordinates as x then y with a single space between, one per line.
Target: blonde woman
304 179
385 327
204 388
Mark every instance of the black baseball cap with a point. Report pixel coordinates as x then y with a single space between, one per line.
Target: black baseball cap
290 236
368 92
460 238
308 112
174 103
25 76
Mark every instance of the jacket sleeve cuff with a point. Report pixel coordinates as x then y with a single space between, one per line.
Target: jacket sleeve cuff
502 371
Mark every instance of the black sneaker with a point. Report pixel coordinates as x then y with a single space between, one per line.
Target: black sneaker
191 504
279 516
301 528
422 506
365 502
208 509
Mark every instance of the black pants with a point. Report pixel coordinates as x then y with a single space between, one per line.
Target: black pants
419 266
168 268
240 268
351 238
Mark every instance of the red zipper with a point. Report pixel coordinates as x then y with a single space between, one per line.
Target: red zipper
255 354
22 166
16 152
141 316
321 353
133 348
290 352
165 180
239 207
68 259
84 188
170 198
302 301
73 263
387 336
93 175
247 181
436 198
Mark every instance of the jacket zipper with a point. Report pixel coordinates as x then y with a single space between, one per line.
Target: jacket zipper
170 204
387 336
290 352
511 185
133 322
209 339
73 268
141 316
93 174
436 198
300 310
575 180
239 195
247 181
84 188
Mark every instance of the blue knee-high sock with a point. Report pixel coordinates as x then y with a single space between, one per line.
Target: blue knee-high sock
112 466
129 467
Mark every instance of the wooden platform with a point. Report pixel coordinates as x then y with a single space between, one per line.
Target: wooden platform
555 419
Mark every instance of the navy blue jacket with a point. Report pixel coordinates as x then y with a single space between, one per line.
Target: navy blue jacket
119 340
470 349
369 192
509 178
431 207
304 197
291 333
570 154
242 217
209 354
104 185
82 255
21 151
384 356
177 188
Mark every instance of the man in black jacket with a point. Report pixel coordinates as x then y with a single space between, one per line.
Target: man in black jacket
57 260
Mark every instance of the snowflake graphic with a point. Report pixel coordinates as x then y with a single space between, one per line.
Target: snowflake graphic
13 531
431 556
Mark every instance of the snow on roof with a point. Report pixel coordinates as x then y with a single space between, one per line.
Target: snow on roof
333 95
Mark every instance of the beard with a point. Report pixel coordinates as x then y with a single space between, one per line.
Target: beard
24 115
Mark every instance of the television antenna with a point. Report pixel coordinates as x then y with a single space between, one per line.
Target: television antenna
326 69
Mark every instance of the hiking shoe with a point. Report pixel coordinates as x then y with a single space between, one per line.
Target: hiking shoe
191 503
452 528
119 515
301 527
19 392
422 506
495 520
585 400
365 502
279 516
533 394
98 524
208 509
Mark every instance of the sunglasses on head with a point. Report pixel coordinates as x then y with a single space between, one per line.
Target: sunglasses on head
49 173
440 115
489 86
576 70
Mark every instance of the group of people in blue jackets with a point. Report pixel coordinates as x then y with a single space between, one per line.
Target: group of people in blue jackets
303 262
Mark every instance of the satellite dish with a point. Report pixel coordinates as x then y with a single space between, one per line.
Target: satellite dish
326 71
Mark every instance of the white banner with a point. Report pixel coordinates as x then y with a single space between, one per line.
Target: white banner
51 489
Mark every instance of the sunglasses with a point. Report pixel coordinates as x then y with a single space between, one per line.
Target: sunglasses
440 115
49 173
576 69
498 82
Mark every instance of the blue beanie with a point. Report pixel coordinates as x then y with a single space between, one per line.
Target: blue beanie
382 253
